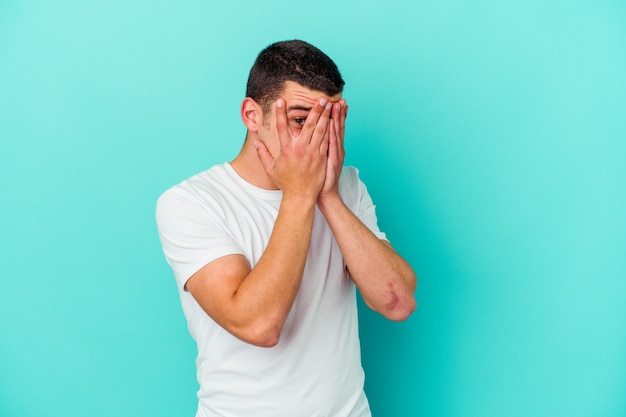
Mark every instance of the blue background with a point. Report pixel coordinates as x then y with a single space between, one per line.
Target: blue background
491 134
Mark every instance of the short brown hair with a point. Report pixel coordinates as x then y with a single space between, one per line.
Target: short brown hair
296 61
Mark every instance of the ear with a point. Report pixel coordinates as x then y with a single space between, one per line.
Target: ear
251 114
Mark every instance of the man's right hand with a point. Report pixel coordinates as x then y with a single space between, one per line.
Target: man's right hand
299 170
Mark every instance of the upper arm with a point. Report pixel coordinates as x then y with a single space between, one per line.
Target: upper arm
191 238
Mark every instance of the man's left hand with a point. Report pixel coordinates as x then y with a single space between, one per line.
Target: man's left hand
336 150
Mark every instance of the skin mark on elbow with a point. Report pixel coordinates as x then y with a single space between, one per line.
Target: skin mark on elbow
395 299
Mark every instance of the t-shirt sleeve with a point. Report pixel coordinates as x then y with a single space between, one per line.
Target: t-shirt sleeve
363 206
190 237
367 213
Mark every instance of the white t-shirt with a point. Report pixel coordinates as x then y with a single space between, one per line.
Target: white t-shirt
315 369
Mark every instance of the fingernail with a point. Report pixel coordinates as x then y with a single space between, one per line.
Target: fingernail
279 102
329 106
323 101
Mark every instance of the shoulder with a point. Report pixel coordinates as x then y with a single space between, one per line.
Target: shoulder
350 186
194 194
350 180
197 186
349 175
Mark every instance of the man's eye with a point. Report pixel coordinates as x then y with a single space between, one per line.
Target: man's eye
300 120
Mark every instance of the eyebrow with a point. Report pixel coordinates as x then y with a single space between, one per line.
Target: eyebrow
299 107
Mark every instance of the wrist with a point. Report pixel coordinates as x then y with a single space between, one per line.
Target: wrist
328 201
300 200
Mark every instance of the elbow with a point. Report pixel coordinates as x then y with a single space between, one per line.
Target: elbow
260 334
402 310
396 309
266 342
400 304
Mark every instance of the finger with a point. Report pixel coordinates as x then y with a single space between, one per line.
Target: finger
325 143
336 112
281 123
334 124
338 117
342 119
332 142
312 118
321 127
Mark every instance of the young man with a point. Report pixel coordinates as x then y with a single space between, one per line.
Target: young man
268 251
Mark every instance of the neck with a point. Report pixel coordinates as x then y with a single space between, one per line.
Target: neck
248 166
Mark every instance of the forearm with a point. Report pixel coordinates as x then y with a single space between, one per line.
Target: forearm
385 280
259 302
264 298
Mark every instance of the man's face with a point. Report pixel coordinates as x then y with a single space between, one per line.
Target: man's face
299 101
